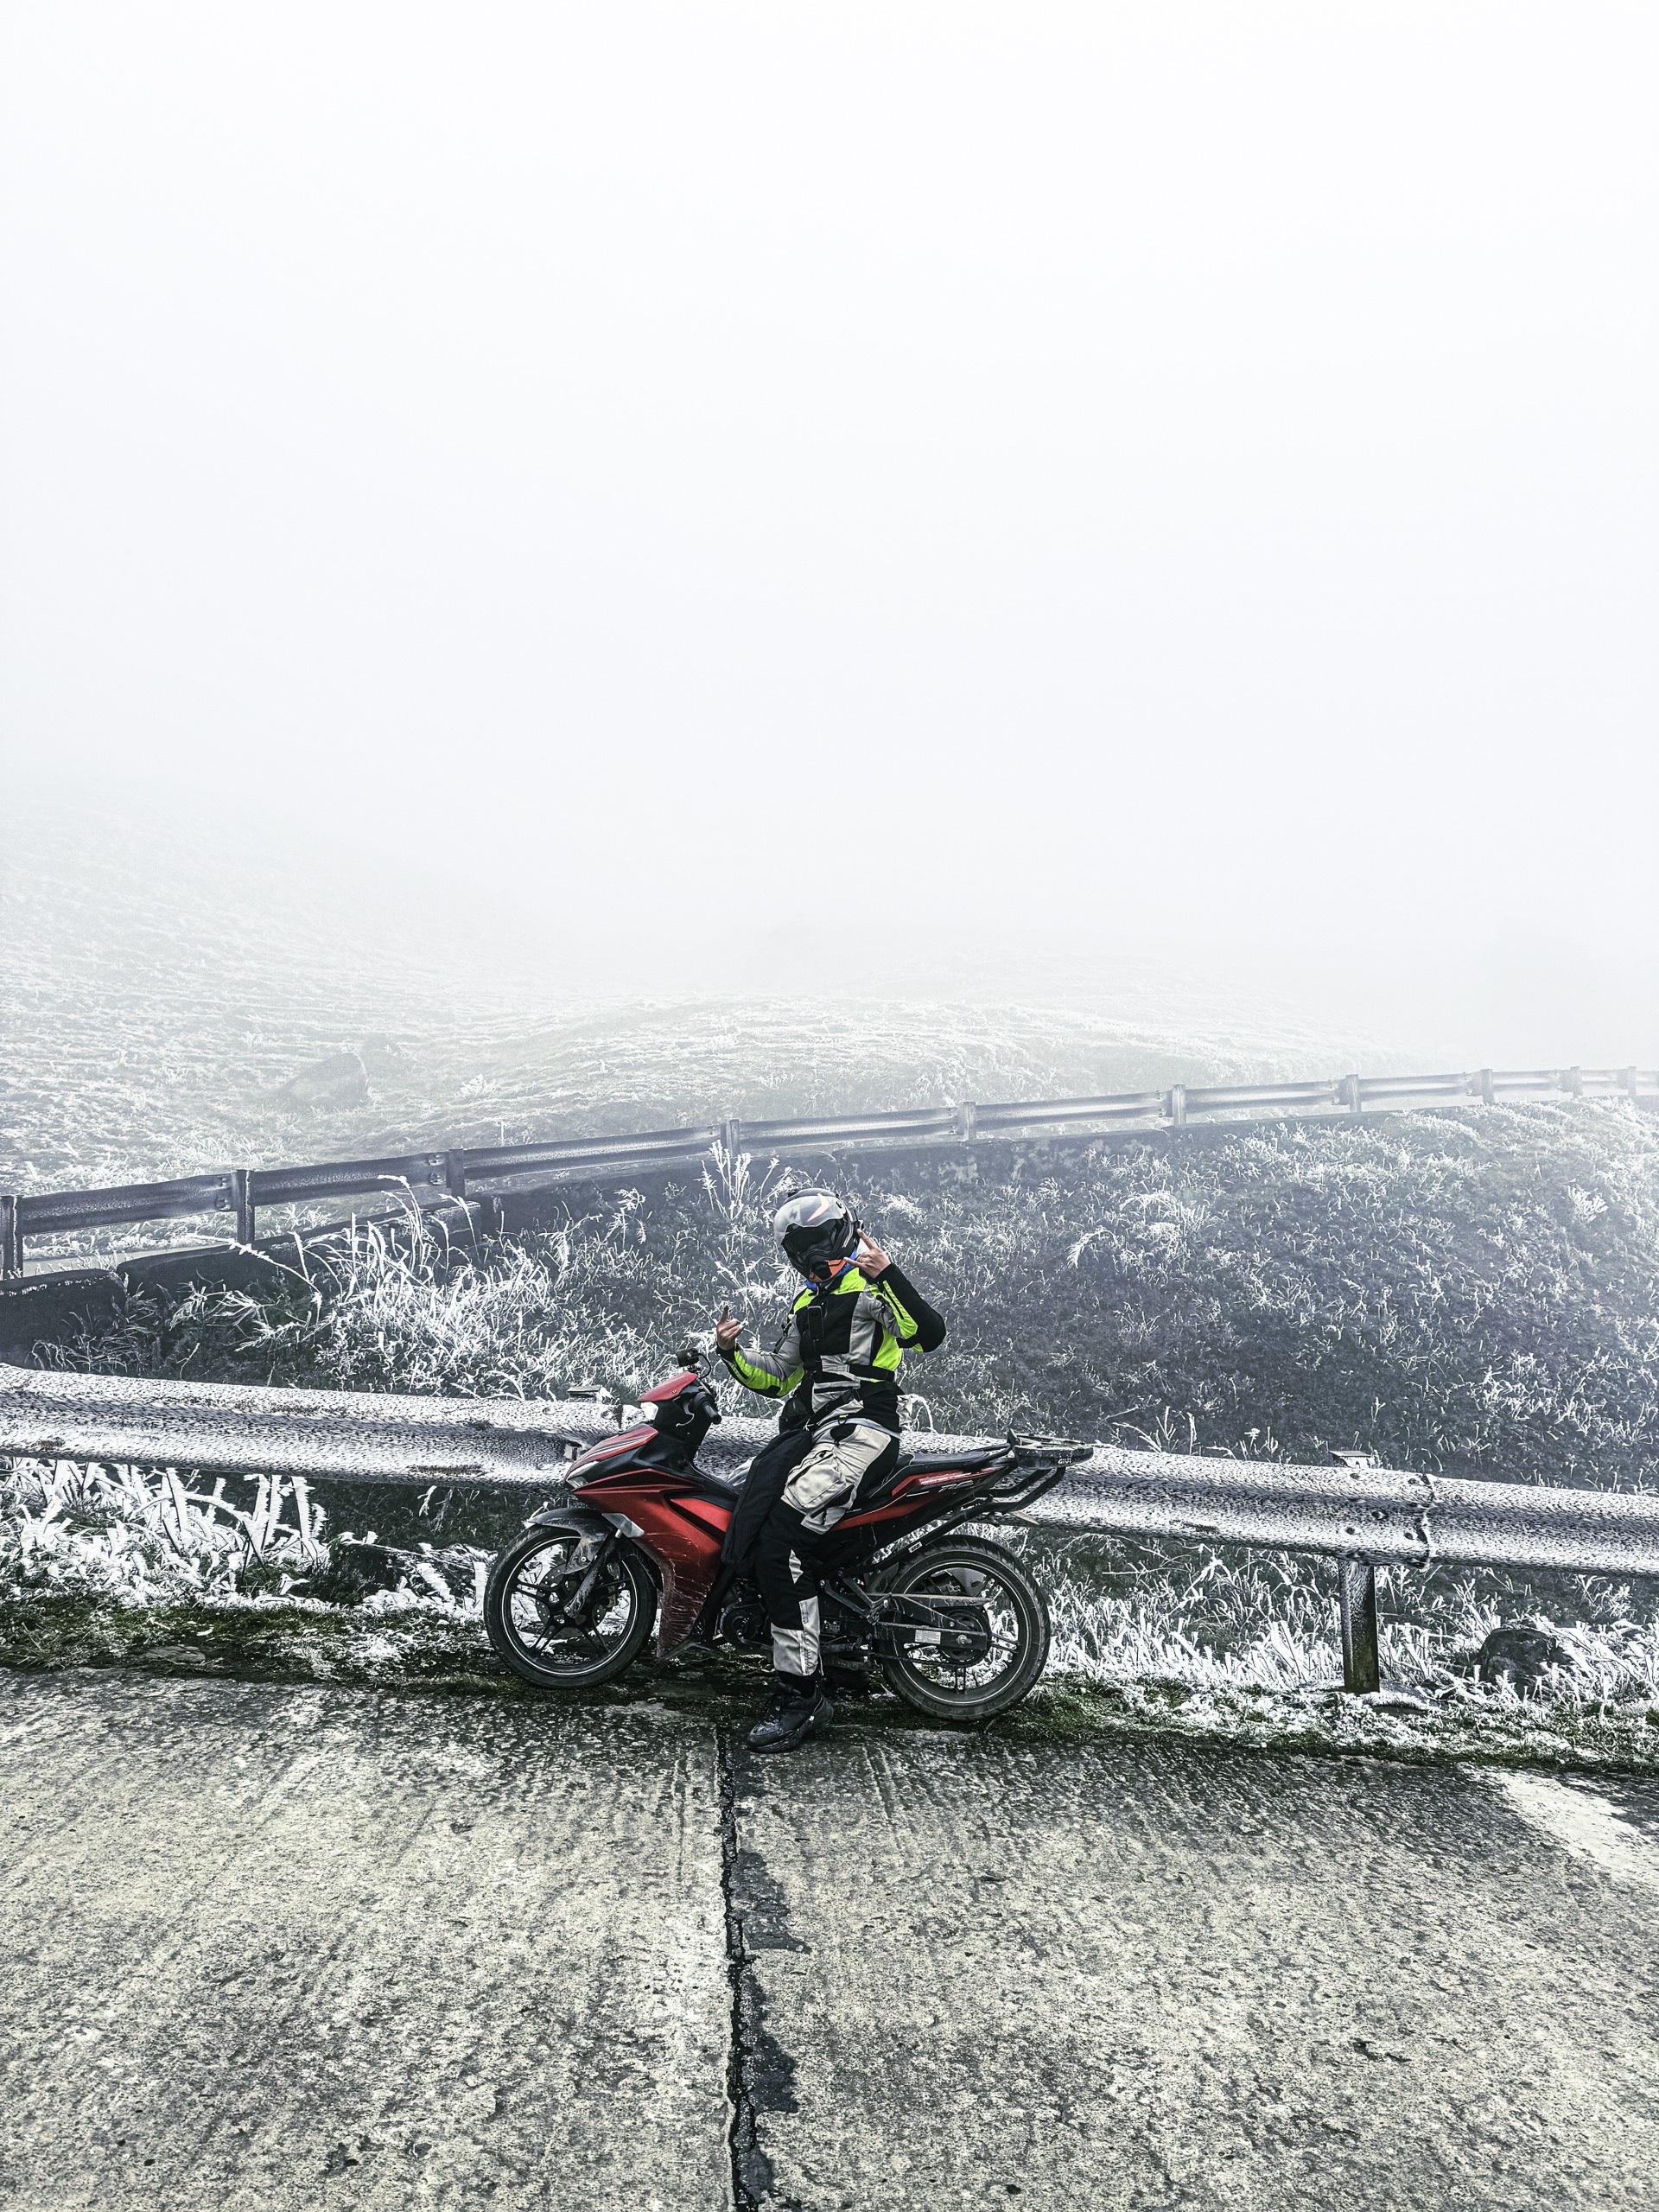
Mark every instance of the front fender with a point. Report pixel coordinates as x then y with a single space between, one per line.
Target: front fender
586 1521
583 1520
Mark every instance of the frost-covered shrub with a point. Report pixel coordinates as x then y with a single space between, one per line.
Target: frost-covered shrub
147 1536
600 1304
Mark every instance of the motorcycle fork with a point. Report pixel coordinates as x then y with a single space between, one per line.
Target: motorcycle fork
572 1606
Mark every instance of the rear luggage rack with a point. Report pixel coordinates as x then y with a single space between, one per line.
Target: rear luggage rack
1039 1462
1064 1449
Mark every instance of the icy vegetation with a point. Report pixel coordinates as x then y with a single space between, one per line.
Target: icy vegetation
145 1537
1474 1292
1477 1293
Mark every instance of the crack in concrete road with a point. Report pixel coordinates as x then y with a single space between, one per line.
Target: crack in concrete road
760 2074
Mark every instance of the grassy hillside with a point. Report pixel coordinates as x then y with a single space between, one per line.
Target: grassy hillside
1473 1292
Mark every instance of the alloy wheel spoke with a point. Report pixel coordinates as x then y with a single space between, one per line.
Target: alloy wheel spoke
991 1611
539 1625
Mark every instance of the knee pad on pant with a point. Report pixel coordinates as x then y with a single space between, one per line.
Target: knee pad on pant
828 1478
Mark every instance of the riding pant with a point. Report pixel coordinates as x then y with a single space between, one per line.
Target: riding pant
843 1459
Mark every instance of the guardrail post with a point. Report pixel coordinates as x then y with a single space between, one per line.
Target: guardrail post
1348 1094
11 1237
454 1174
1175 1105
965 1120
1488 1088
729 1130
1362 1667
1573 1082
242 1200
1361 1658
1627 1076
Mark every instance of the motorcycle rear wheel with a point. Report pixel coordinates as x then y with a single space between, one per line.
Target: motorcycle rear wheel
996 1600
527 1626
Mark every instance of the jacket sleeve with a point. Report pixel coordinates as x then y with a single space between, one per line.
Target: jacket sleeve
773 1373
918 1326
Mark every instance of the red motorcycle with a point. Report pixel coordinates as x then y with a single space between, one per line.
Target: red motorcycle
953 1621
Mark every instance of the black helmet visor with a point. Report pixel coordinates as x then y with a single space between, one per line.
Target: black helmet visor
809 1250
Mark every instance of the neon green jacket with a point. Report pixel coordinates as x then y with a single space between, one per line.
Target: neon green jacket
844 1344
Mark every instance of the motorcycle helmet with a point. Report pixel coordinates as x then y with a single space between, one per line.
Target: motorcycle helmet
814 1230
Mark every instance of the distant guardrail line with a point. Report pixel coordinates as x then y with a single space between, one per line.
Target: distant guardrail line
434 1177
1354 1511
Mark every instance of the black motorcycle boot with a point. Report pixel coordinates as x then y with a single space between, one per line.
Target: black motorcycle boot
799 1708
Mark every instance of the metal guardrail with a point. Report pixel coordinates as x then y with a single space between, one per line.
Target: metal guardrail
433 1178
1359 1513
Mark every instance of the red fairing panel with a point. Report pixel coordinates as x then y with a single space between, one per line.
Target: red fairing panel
664 1391
683 1534
626 1440
706 1510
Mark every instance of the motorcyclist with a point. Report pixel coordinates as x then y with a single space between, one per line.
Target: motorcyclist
837 1365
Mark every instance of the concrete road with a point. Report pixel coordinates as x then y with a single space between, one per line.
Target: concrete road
275 1946
1145 1977
267 1946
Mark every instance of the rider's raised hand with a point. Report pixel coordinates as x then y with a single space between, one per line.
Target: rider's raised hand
872 1260
727 1332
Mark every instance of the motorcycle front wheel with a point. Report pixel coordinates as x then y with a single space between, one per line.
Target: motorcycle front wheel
539 1629
991 1642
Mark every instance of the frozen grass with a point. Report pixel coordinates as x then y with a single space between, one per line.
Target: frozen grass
1266 1623
145 1537
148 1537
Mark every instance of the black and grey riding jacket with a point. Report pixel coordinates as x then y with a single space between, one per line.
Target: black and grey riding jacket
841 1349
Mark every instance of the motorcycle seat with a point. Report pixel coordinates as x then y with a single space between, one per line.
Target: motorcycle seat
930 1463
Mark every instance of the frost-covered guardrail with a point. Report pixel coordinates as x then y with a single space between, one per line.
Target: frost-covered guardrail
447 1177
1354 1511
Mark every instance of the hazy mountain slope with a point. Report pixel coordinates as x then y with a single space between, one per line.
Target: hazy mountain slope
158 992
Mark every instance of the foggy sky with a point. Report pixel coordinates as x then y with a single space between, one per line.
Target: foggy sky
1175 475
